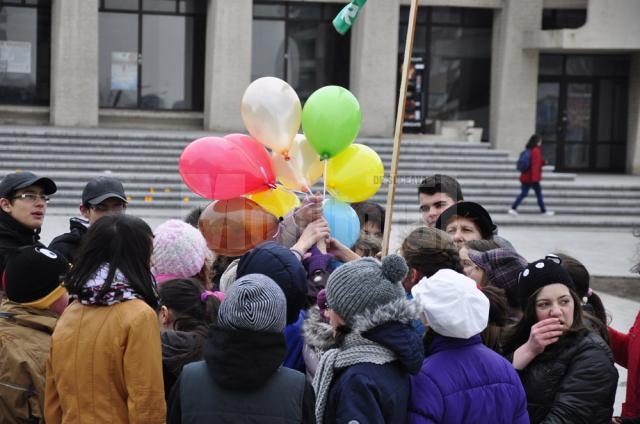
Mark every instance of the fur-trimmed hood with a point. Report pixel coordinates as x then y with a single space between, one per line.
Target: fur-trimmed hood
400 310
388 325
318 334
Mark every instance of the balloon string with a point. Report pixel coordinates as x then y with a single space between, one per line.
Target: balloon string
277 234
324 190
308 189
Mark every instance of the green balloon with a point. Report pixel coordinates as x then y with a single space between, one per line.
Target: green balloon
331 120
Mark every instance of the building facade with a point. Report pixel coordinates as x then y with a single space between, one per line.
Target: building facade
567 69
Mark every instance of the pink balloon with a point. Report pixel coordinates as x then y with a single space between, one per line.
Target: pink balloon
224 168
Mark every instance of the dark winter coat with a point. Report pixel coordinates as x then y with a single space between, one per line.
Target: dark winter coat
179 348
463 381
371 393
534 173
69 243
13 235
241 366
573 381
626 351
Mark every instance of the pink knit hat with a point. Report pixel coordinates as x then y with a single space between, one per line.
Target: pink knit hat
179 251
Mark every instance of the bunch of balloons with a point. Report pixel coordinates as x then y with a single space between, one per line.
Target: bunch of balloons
239 174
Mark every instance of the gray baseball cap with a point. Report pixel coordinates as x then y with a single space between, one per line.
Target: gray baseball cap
101 188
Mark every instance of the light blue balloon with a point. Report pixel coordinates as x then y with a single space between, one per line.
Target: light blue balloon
343 221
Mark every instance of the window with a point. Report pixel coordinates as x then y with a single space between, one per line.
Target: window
296 42
152 54
563 18
25 50
455 45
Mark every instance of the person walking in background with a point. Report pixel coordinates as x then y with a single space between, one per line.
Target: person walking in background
531 176
105 363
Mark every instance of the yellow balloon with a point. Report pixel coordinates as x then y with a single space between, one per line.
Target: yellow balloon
277 201
355 174
303 169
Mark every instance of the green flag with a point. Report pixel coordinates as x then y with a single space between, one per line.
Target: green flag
348 16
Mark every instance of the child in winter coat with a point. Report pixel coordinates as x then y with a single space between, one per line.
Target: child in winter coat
366 378
566 368
461 380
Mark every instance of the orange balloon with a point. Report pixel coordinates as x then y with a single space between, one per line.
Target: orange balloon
232 227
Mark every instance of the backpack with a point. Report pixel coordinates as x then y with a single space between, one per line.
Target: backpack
524 161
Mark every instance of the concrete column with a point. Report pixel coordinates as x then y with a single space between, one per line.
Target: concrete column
633 133
514 74
74 63
374 65
227 62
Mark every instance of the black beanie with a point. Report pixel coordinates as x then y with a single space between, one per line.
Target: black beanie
282 266
33 276
542 273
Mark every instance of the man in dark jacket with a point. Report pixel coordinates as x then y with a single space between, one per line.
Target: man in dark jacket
241 378
23 204
101 196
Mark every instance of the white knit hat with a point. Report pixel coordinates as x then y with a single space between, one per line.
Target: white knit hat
454 306
179 251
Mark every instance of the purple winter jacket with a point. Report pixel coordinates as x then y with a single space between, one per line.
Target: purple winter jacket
463 381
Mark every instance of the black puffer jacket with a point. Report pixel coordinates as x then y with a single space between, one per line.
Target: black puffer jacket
68 243
14 235
572 382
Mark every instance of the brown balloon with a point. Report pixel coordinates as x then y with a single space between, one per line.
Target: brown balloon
232 227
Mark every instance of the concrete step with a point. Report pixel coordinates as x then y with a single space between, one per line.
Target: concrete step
508 198
530 207
539 220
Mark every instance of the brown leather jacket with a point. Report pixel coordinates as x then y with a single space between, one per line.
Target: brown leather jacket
106 366
25 335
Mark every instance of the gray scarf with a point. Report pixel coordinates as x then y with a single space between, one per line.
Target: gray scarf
355 350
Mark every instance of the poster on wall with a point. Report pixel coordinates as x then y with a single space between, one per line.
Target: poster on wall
15 57
414 107
124 71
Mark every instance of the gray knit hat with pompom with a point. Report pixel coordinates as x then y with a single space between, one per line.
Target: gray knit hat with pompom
365 284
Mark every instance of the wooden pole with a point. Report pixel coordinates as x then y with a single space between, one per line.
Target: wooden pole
402 98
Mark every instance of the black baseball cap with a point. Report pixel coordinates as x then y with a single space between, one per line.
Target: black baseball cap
471 210
101 188
19 180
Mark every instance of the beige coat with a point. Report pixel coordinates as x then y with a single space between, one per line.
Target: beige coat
105 366
25 335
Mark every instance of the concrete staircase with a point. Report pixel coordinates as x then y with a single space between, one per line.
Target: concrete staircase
146 162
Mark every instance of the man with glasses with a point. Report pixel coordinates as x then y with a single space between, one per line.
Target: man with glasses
101 196
23 204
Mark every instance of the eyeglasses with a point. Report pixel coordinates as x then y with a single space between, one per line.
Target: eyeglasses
32 197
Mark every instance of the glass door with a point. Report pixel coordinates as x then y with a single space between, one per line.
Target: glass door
582 112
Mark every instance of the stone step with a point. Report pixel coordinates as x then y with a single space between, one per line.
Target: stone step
539 220
179 191
509 197
79 154
530 207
